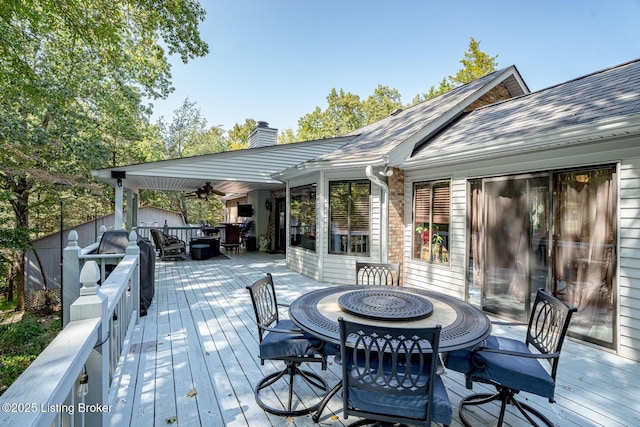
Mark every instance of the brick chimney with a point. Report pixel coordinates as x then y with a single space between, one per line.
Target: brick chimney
263 136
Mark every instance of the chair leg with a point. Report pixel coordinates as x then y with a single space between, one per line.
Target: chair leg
505 396
291 371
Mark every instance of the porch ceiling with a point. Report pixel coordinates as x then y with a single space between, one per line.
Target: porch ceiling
230 172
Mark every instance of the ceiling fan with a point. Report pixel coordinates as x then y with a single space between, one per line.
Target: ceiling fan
205 192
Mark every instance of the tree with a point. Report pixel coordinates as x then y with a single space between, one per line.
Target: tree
287 136
73 76
187 134
239 134
346 112
380 104
475 64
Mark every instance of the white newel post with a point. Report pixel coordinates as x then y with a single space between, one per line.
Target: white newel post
70 275
91 304
134 249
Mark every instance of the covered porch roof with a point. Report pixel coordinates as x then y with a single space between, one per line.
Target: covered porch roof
231 172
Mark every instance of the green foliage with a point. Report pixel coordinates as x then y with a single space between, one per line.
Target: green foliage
380 104
239 135
20 344
345 111
475 64
6 305
187 134
286 136
73 77
342 115
11 367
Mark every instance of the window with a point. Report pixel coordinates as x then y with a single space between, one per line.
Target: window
431 203
350 217
302 217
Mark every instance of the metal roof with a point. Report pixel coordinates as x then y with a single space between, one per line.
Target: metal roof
237 171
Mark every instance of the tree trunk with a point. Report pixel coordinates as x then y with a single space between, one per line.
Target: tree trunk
21 188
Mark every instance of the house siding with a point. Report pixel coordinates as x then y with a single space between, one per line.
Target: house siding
629 259
624 152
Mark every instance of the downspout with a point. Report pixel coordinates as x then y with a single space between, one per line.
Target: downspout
384 213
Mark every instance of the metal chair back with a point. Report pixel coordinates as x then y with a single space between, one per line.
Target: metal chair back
371 273
382 365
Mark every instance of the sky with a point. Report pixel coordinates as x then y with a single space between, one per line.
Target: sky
277 60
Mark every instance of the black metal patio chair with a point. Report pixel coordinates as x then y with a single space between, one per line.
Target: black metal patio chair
391 375
281 340
372 273
512 366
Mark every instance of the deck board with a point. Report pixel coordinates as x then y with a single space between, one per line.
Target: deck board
199 336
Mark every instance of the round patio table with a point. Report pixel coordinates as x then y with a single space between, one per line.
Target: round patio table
317 312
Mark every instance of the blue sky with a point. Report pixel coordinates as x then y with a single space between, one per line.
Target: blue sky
277 60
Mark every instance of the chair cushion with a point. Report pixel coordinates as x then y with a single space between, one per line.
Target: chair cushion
277 345
403 405
518 373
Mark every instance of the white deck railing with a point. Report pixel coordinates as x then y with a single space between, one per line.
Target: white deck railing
100 319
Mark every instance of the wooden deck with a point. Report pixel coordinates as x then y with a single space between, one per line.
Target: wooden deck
192 361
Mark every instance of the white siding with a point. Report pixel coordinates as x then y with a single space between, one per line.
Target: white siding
629 259
451 280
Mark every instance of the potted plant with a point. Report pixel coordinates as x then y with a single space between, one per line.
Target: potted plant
432 241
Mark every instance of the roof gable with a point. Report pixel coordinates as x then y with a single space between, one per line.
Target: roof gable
601 96
394 137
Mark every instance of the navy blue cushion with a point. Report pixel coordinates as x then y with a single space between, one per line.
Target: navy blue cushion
403 405
277 345
330 349
460 360
518 373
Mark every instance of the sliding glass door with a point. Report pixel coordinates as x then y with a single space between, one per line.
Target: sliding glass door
552 230
584 250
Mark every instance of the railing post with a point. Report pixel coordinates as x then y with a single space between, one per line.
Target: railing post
134 249
89 305
70 275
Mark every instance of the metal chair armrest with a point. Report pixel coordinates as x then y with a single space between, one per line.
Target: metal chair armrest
510 353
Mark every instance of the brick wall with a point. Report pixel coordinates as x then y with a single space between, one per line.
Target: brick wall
396 217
